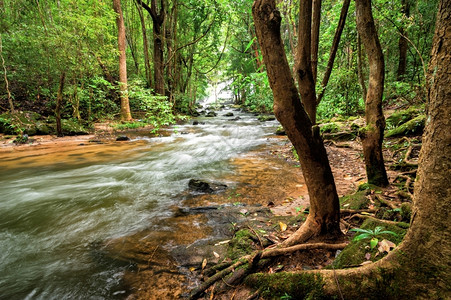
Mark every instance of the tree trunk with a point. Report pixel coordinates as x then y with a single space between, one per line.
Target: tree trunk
324 215
360 67
316 21
403 44
303 60
145 44
59 104
10 98
334 49
372 136
125 107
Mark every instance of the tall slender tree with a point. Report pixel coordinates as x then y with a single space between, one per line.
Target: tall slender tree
125 106
373 134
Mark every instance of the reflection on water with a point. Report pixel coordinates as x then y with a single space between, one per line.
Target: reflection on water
56 207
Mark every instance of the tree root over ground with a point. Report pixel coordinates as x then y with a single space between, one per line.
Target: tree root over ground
249 263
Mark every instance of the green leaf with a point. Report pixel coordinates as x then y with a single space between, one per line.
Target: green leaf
249 44
373 242
362 236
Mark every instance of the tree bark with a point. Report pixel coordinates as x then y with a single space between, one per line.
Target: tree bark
145 44
303 65
360 67
59 104
316 21
324 214
372 136
158 34
125 106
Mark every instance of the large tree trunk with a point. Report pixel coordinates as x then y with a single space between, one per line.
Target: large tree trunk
372 136
324 206
125 106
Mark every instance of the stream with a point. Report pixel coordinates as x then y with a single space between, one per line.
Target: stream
56 208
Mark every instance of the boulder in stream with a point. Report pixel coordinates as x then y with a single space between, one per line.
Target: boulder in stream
211 114
122 138
229 114
200 186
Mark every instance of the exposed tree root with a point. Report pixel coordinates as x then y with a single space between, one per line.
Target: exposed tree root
245 265
373 218
307 230
387 203
356 211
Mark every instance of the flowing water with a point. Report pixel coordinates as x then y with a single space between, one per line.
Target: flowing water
56 207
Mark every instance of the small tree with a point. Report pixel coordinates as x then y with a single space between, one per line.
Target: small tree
125 106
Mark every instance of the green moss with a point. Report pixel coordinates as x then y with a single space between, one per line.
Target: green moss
354 253
414 126
287 285
401 117
71 127
241 244
358 200
329 128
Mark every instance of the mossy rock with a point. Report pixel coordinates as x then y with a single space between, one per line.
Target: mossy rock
19 123
42 128
354 253
401 117
241 244
329 128
71 127
286 285
280 131
339 136
265 118
414 126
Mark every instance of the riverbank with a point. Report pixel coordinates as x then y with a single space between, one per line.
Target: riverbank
163 260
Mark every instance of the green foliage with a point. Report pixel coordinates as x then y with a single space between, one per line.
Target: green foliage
374 235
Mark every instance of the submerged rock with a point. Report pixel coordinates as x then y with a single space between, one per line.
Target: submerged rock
122 138
205 187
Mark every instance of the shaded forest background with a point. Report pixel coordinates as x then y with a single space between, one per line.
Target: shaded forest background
179 51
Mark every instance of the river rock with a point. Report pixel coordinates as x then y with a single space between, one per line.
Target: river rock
229 114
200 186
122 138
264 118
211 114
